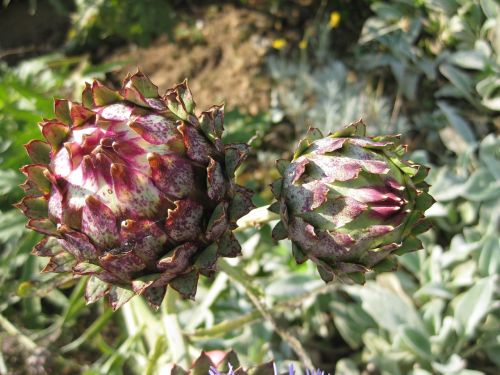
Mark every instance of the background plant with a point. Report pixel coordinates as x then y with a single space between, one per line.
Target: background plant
427 69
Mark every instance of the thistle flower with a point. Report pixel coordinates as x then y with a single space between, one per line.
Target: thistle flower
227 363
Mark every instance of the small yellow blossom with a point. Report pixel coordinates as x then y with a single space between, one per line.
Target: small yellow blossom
24 288
334 19
279 43
303 44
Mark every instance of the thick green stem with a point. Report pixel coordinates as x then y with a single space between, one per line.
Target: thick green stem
11 329
155 354
225 326
231 325
238 275
90 332
176 344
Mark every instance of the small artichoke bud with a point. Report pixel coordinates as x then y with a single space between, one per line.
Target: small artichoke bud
350 203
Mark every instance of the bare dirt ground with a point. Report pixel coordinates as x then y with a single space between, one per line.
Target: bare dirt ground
222 56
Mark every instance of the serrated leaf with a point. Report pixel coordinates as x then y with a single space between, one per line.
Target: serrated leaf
417 342
459 138
9 180
292 285
351 321
489 259
346 366
11 225
473 305
461 81
471 59
481 186
388 309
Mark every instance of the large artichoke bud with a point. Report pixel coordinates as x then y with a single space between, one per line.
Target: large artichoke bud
349 202
134 190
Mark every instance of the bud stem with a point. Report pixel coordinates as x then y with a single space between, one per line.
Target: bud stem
238 275
176 343
227 326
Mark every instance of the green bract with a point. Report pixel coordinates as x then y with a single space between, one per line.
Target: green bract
135 190
349 202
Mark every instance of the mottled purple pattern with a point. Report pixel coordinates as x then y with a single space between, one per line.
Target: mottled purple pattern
336 213
95 289
218 223
146 238
197 146
334 168
235 154
216 183
183 223
156 129
318 245
229 245
79 246
127 178
122 265
241 203
115 112
307 197
378 230
48 246
172 174
368 143
296 169
128 151
136 192
340 168
62 262
324 145
99 223
55 206
178 260
345 199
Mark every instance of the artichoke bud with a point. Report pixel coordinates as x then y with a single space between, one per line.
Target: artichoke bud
350 203
131 189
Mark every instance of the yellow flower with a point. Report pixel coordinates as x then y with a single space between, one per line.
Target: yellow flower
303 44
334 19
279 43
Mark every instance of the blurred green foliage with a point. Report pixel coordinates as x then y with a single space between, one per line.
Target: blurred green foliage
134 21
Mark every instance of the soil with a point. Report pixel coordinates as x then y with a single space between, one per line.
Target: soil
222 54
